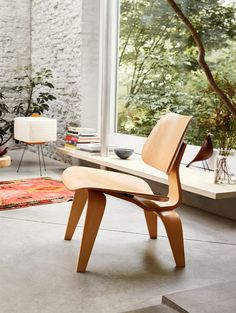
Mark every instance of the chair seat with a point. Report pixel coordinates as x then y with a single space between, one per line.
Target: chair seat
78 177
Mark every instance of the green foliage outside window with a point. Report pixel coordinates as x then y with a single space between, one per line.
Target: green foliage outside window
158 69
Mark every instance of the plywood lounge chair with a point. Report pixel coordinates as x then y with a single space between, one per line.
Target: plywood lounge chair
163 150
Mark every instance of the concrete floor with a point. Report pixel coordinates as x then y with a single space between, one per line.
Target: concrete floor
127 271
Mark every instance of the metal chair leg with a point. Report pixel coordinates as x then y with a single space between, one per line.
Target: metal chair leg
203 164
207 166
21 158
44 164
40 169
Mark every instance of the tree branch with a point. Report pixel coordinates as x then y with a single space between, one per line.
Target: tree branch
201 58
141 76
4 142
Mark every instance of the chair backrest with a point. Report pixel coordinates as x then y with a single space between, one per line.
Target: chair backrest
163 144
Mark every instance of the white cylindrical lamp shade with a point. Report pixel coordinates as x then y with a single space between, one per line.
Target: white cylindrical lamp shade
35 129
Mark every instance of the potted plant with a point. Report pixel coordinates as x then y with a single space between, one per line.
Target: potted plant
34 91
6 125
5 132
34 94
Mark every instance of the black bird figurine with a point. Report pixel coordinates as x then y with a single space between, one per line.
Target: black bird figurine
3 151
204 153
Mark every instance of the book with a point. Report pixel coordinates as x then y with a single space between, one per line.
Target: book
70 138
81 130
72 133
93 147
89 140
73 128
88 134
79 134
70 146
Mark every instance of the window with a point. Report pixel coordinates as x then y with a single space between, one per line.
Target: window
158 71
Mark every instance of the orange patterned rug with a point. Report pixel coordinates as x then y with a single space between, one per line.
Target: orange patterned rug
17 194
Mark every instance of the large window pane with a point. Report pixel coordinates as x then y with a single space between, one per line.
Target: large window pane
158 70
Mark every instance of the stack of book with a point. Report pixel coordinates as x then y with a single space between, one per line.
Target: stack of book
93 148
79 135
84 139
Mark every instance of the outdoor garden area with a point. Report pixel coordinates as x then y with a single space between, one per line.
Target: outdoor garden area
159 70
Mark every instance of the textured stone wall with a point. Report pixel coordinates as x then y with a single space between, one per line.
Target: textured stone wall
15 41
56 44
61 35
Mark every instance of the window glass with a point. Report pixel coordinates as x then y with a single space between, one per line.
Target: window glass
158 70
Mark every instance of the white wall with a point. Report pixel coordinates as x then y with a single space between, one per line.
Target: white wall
90 63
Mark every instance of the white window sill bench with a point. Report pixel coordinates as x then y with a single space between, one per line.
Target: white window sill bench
193 180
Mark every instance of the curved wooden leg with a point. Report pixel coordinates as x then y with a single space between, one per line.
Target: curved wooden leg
173 226
151 220
95 210
79 201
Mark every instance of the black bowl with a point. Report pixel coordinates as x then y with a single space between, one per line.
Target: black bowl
123 153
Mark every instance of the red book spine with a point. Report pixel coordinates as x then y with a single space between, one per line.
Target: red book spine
71 138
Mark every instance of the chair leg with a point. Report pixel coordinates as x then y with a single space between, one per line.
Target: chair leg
95 210
79 201
151 220
173 226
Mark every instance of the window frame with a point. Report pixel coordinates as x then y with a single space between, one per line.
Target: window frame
119 139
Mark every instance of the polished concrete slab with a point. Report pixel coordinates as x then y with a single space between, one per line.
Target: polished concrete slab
215 298
127 271
155 309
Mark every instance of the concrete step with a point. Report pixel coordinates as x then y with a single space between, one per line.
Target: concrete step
161 308
217 298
